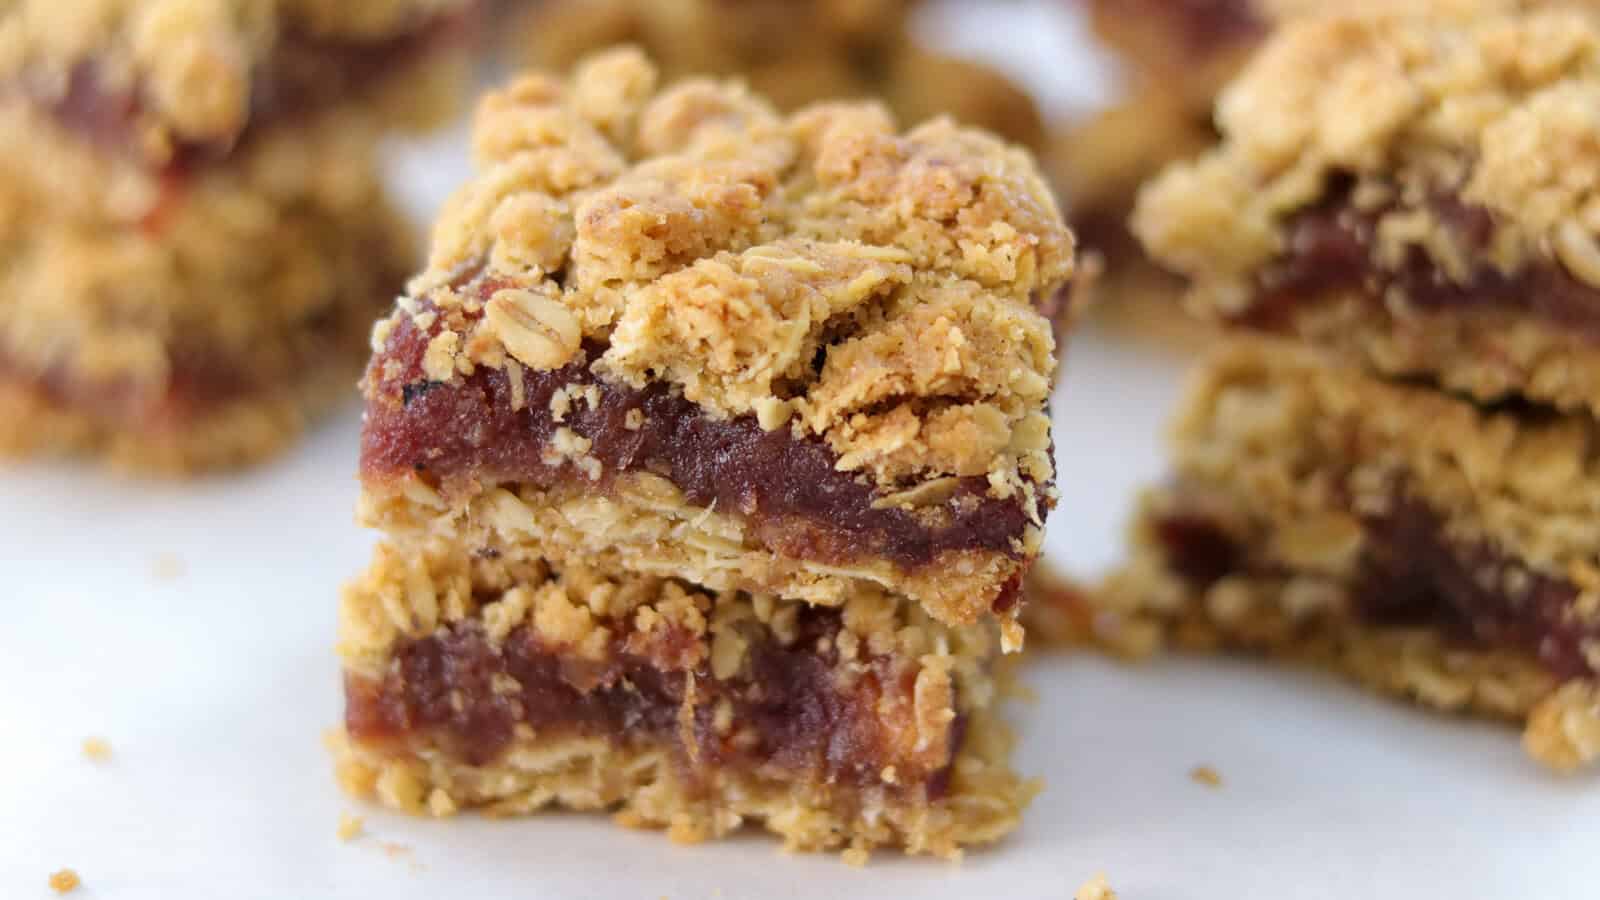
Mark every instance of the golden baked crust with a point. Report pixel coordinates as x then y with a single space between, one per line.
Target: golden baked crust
793 52
1313 508
922 697
168 73
1448 154
817 274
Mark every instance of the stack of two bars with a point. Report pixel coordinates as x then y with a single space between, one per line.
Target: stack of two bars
1413 494
710 451
193 237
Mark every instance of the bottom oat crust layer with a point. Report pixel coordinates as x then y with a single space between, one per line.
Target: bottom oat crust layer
474 681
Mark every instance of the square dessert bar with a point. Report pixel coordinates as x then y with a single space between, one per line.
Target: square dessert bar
475 681
1412 192
792 52
1429 547
677 333
711 454
195 238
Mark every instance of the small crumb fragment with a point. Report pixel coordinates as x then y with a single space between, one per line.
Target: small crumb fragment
1095 889
97 749
855 856
167 567
65 881
394 850
1206 775
350 827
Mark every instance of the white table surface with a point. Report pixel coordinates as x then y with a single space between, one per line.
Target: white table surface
192 627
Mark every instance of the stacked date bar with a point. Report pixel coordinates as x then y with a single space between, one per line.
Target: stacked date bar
1408 494
710 453
195 241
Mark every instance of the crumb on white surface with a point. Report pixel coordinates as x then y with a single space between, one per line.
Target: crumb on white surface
97 749
350 826
1206 775
65 881
1095 888
167 567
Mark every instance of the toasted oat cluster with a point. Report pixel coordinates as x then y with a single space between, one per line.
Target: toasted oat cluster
195 237
1410 190
793 52
811 341
711 454
1426 546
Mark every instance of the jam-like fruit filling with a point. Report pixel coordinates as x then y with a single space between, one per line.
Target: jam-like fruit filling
1413 573
787 488
787 708
1332 247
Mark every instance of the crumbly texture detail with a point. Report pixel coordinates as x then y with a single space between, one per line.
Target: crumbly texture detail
939 784
1288 617
65 881
1264 416
712 243
1292 527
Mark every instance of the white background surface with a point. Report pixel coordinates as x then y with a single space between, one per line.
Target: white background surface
192 626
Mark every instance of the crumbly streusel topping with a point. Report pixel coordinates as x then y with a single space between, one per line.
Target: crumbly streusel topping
817 271
1496 110
188 64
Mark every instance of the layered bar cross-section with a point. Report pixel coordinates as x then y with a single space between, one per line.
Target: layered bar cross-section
1427 546
1409 190
710 453
476 682
678 333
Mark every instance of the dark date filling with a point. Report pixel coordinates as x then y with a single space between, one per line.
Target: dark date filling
786 488
305 74
1414 574
1333 248
789 710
